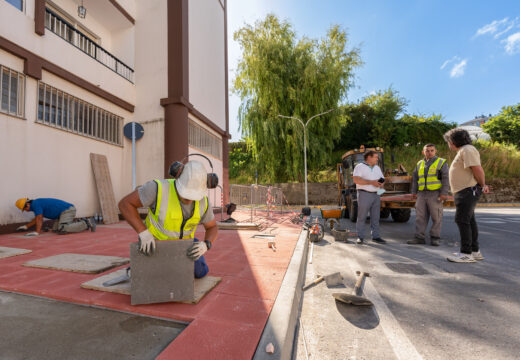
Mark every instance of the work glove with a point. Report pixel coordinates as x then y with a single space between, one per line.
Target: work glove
34 233
197 250
21 228
146 242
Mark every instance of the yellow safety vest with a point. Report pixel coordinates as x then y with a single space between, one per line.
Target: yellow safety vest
167 222
430 181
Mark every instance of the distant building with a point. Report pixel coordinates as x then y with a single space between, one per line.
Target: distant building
73 73
477 121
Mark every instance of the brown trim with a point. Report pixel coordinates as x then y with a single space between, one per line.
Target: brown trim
122 11
225 145
39 17
176 125
34 64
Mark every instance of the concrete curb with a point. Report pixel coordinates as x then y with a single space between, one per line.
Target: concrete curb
280 327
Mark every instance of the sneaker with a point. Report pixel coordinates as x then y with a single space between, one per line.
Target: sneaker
477 255
379 240
91 223
435 241
461 258
359 241
416 240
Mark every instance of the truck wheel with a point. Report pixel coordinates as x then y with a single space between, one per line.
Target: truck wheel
385 213
353 211
401 215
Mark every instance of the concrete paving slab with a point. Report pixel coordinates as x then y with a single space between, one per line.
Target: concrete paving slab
81 263
6 252
201 286
165 276
38 328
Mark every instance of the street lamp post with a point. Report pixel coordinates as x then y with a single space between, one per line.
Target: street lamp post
305 145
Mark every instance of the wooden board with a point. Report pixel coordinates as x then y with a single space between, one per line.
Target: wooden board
237 226
80 263
6 252
202 286
104 188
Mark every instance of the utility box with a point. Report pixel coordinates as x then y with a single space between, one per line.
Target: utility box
165 276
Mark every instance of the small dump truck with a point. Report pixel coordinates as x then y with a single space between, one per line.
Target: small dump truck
397 201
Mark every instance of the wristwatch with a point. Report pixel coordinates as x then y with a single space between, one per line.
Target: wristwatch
208 244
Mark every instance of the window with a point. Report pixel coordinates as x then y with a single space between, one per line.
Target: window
16 3
12 85
58 109
204 140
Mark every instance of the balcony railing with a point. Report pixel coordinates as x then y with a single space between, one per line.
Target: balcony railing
66 31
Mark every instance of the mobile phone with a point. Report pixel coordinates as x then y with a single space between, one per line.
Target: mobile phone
381 180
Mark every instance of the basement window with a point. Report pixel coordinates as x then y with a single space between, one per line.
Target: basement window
63 111
12 85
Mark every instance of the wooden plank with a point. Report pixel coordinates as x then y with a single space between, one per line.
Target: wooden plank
237 226
80 263
202 286
6 252
104 188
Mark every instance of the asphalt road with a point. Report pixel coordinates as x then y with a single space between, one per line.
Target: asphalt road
424 306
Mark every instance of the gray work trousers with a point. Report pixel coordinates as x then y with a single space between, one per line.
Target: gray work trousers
66 222
368 203
426 206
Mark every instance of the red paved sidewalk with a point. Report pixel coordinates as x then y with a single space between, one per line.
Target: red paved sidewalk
226 324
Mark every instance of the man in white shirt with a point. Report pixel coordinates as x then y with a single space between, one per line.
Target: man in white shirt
369 181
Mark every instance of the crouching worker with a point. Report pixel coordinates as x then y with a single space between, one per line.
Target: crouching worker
175 208
62 212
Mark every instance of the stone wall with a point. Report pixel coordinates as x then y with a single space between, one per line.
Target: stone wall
504 191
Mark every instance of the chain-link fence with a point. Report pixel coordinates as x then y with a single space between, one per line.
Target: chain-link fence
256 198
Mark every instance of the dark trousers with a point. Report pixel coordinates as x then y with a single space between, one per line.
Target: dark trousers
201 268
465 202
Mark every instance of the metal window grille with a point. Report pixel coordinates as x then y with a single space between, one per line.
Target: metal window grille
12 86
58 109
204 140
69 33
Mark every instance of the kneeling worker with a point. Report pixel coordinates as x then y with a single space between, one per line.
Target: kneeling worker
176 207
54 209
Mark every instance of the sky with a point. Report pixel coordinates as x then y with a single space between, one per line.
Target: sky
456 58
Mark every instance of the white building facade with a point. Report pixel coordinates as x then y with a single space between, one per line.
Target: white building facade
69 84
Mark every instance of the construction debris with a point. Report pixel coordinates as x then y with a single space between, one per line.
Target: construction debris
237 226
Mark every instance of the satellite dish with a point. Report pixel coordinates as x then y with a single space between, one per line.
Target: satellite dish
139 130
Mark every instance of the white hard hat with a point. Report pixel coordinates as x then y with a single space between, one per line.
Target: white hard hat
192 184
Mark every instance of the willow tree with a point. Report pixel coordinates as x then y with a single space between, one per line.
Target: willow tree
279 74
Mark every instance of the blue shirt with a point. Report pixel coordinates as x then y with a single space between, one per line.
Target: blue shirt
50 208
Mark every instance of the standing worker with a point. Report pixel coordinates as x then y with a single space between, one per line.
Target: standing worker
468 182
62 212
369 181
430 187
176 207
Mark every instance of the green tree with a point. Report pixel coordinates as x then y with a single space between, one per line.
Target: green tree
279 74
505 127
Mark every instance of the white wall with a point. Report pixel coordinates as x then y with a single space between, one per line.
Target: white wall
41 161
151 80
19 28
207 59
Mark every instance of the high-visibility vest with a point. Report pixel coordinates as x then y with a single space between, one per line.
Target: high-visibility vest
167 222
430 181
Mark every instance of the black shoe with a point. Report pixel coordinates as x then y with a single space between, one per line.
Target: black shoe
379 240
435 241
359 241
416 240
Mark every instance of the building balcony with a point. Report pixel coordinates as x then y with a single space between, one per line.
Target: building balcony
69 33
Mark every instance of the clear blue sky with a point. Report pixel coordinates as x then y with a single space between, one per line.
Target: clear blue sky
458 58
